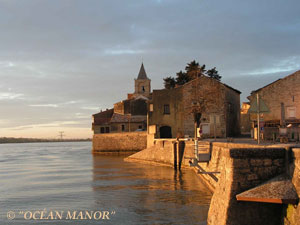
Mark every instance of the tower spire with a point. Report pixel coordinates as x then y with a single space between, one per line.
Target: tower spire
142 74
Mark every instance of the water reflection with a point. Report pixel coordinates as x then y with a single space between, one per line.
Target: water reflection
143 192
65 176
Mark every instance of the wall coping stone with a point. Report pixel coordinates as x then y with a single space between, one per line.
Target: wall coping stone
122 133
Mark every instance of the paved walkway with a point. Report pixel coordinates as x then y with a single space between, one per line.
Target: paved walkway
252 141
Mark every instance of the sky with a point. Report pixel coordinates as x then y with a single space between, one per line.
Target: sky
63 60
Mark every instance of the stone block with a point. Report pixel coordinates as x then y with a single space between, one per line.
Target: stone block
245 171
278 162
241 163
256 162
267 162
266 172
251 177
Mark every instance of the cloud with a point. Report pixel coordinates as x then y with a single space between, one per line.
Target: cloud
287 65
91 108
122 52
45 105
53 124
7 64
10 96
59 58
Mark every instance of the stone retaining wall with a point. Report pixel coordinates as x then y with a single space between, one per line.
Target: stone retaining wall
292 213
216 162
162 151
241 167
119 142
244 169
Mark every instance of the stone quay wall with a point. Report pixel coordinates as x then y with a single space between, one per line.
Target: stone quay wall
162 151
292 213
243 169
119 142
217 161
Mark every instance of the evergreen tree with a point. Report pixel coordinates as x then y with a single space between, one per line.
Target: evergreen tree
193 69
213 73
202 68
169 82
182 78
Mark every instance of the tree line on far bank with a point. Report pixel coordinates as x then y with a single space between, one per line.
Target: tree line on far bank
4 140
192 71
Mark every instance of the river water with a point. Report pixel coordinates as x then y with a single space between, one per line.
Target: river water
46 183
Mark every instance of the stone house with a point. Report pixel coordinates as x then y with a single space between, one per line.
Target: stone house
127 115
245 119
171 111
101 121
282 98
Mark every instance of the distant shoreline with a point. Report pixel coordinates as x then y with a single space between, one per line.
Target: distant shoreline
8 140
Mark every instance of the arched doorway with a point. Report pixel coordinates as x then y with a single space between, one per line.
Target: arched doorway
165 132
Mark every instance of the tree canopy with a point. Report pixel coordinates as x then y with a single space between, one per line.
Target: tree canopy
213 73
192 71
182 78
169 82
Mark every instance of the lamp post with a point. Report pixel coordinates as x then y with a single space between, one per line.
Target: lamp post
258 119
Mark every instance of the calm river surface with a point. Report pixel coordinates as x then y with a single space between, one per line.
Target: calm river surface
66 177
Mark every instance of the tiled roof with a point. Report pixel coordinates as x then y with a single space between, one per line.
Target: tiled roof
103 117
105 113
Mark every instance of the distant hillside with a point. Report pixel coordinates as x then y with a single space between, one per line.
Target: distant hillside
32 140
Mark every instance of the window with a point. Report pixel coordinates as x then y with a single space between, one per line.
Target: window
106 129
166 109
291 112
140 127
143 88
151 108
123 127
102 130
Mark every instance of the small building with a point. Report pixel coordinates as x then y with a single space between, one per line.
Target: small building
127 115
101 121
172 111
282 97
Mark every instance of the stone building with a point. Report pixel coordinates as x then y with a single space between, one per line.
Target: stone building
127 115
282 98
171 111
245 119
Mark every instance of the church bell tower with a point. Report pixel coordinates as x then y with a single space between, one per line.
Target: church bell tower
142 83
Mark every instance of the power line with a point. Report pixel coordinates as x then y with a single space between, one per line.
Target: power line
61 134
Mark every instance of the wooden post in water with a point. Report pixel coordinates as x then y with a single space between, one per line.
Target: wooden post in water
178 156
175 154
